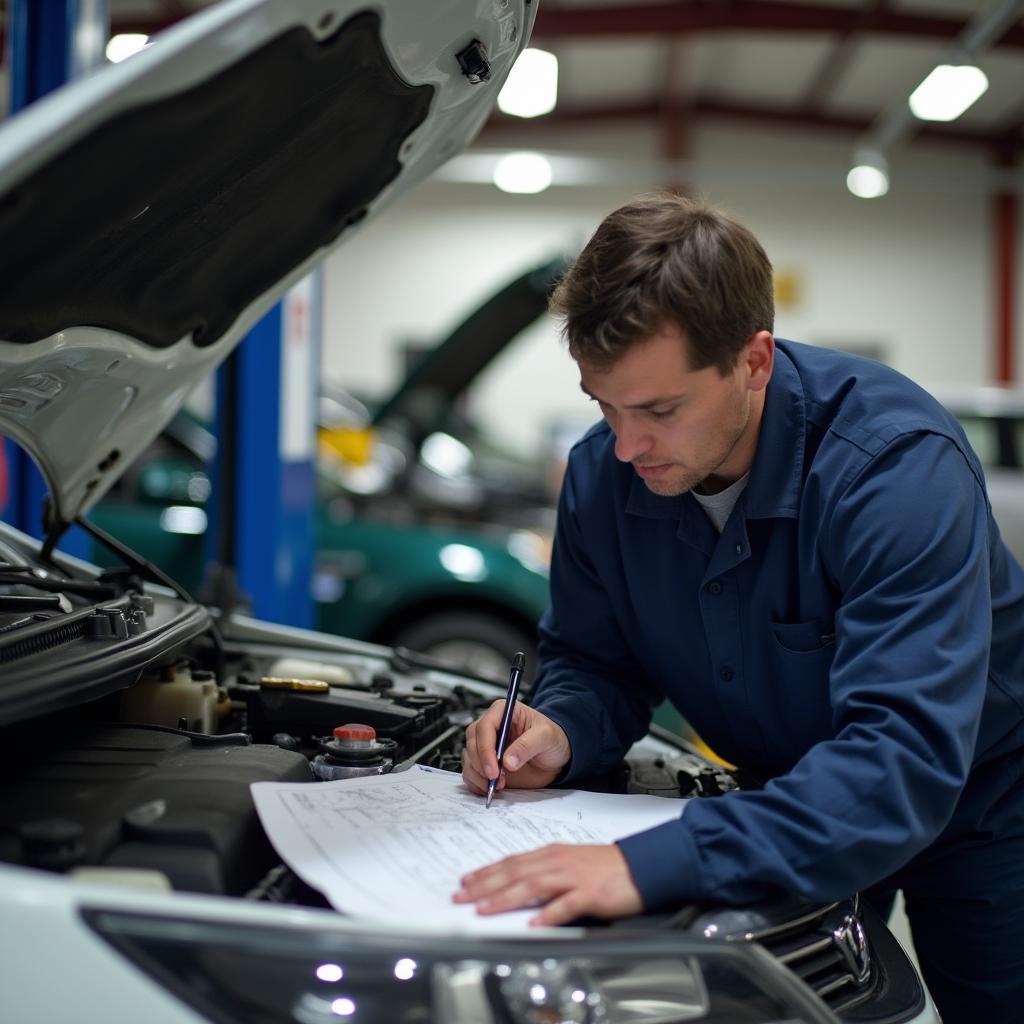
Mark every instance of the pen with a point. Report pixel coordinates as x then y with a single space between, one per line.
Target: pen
518 664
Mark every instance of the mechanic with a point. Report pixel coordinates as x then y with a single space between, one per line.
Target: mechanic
795 547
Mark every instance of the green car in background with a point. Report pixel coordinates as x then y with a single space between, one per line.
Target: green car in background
428 536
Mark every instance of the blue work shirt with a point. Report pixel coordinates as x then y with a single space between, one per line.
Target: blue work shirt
855 636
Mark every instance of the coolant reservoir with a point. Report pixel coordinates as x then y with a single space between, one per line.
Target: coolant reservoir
307 668
176 693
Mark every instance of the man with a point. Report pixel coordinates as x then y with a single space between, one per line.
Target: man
795 547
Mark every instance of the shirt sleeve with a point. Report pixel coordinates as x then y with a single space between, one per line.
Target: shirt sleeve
907 545
589 683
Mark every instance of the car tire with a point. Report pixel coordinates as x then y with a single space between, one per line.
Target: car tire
482 644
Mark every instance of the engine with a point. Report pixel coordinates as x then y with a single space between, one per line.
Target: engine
155 779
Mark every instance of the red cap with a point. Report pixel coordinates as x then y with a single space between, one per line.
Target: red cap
355 731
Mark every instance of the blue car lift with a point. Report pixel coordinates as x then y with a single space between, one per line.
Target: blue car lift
261 541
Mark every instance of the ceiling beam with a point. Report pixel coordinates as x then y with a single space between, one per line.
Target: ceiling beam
711 107
896 124
708 107
174 9
1009 139
685 17
675 120
837 61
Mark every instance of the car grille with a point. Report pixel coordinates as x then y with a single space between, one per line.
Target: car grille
827 948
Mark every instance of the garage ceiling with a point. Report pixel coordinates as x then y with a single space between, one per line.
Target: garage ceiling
840 65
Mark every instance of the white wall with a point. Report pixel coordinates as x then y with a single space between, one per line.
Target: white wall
418 270
910 273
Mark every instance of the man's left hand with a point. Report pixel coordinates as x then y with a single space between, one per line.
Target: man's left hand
569 881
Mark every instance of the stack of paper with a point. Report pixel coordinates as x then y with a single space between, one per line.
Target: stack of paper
393 847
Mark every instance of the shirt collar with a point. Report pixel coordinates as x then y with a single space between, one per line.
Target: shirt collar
776 478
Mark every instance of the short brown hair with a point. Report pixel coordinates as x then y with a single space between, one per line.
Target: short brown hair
665 259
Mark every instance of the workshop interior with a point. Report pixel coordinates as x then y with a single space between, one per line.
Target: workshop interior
284 420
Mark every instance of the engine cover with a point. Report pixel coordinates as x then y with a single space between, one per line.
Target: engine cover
137 797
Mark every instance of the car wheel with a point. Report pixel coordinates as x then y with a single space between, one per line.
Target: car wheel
481 644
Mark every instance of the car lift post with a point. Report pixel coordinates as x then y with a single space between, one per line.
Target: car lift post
49 42
261 541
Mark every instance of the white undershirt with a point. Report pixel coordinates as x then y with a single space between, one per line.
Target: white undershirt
719 506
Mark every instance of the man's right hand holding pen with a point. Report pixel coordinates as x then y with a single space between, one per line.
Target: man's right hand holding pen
536 753
564 882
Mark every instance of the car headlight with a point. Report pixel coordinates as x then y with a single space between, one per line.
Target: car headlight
279 975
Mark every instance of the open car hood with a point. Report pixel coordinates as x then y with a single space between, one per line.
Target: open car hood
153 211
447 370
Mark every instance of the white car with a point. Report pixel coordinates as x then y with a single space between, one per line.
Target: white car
993 419
150 214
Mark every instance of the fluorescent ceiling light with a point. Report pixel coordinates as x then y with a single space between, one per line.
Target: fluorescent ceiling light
124 45
867 182
947 92
532 85
869 176
523 173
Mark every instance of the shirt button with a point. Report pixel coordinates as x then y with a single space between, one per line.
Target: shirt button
739 549
726 673
714 587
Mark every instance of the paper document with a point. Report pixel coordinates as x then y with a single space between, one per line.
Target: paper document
393 847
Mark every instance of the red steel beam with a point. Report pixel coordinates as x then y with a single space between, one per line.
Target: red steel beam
710 107
838 60
1005 223
680 18
175 9
683 17
675 117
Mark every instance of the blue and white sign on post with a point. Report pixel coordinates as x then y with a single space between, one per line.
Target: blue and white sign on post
300 373
300 358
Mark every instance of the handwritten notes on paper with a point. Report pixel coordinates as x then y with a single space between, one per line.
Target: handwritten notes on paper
393 847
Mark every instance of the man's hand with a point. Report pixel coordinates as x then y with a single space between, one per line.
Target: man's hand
536 752
570 882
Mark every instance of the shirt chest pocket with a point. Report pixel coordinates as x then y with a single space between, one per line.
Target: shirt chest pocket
798 662
803 638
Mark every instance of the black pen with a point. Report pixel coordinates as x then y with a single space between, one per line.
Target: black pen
518 664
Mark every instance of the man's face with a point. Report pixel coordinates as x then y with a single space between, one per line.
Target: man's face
682 428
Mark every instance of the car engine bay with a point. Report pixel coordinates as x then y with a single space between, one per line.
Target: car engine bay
156 777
